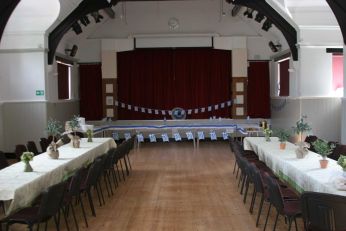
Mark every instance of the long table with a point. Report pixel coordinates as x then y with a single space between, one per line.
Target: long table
18 189
303 174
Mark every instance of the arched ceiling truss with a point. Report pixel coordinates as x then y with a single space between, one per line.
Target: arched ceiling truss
6 9
339 9
84 8
288 31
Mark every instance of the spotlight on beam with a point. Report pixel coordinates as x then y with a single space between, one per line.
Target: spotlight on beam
72 52
248 13
77 28
259 17
235 10
85 20
97 16
274 47
267 25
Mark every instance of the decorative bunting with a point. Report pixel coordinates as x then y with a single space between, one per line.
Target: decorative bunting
164 112
225 135
200 135
177 136
152 138
127 136
140 138
213 135
189 135
165 137
115 136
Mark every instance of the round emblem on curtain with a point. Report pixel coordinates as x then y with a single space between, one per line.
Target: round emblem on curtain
178 113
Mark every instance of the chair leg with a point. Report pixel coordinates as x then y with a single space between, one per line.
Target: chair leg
260 210
243 184
118 172
265 224
109 180
106 184
56 221
66 222
122 170
237 172
276 220
289 223
234 167
128 159
246 189
254 194
74 216
114 178
295 223
126 167
101 193
91 203
83 211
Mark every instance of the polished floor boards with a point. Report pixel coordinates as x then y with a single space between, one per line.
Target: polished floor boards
174 187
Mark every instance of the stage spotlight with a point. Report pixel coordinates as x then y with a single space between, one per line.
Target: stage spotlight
72 52
85 20
77 28
248 13
97 16
267 25
274 47
259 17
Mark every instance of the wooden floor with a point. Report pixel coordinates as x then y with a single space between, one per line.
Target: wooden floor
174 187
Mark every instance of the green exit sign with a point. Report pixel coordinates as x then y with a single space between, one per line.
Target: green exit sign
39 92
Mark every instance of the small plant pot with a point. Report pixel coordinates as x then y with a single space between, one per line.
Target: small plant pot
27 167
324 163
52 151
76 142
283 145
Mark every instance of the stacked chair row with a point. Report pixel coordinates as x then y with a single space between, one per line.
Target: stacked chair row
320 211
57 200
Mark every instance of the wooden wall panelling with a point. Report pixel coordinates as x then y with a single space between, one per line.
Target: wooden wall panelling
239 97
109 96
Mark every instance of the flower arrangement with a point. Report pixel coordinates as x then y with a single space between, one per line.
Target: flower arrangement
267 133
26 157
283 135
74 123
342 162
54 128
89 134
301 127
323 148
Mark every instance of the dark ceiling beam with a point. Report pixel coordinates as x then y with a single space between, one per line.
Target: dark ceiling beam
285 27
84 8
6 9
110 12
339 9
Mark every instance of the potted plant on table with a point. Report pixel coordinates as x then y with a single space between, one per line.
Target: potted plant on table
324 149
26 157
267 133
74 125
53 129
283 136
342 163
301 128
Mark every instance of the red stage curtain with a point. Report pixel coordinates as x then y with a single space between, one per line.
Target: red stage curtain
284 78
90 91
258 90
168 78
63 84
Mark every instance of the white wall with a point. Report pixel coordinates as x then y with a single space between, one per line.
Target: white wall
89 51
315 72
258 48
22 73
1 128
324 115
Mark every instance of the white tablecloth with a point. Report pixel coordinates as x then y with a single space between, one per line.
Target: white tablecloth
304 174
20 188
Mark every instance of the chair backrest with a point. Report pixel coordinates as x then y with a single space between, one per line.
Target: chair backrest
109 159
3 160
44 144
322 211
51 200
275 196
20 148
76 181
94 172
339 149
32 147
256 177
